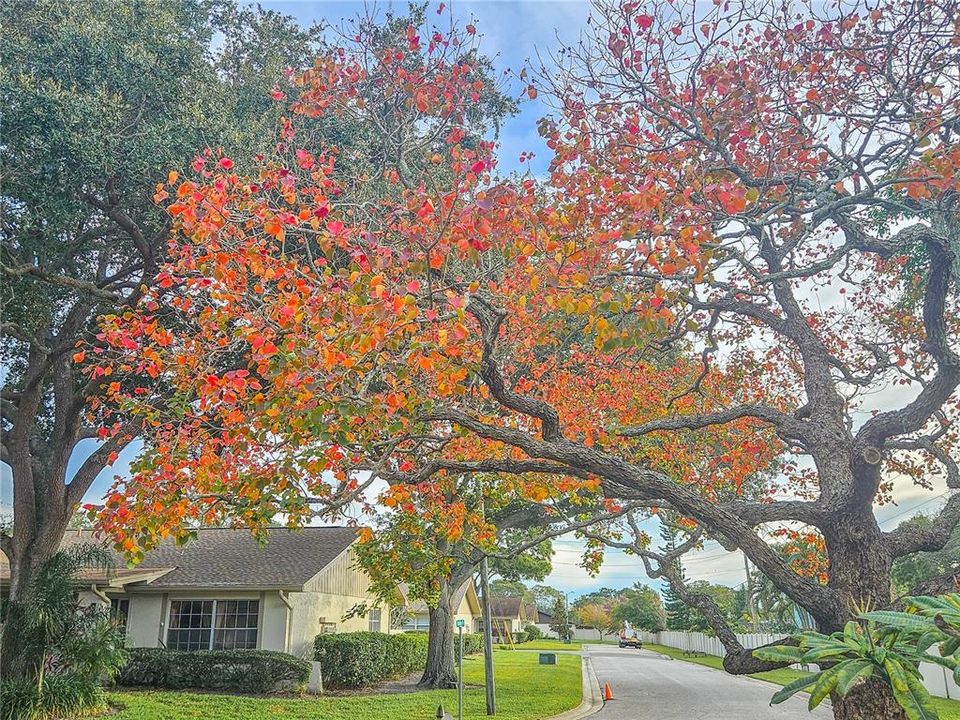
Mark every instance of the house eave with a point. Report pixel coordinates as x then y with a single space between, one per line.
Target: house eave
155 589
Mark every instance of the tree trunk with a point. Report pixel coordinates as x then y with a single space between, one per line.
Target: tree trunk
36 536
871 701
441 671
860 569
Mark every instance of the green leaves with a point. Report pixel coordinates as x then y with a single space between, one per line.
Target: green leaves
779 653
793 688
909 691
884 644
849 672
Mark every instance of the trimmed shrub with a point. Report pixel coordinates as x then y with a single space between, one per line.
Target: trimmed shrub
359 659
472 644
521 637
533 632
406 653
254 671
67 695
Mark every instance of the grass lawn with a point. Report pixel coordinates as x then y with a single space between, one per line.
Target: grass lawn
525 691
548 644
946 709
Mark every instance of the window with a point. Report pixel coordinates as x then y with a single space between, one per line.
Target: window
236 626
374 619
213 624
119 611
416 623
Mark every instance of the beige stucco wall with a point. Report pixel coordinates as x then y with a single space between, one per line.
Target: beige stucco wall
144 619
274 622
326 599
465 612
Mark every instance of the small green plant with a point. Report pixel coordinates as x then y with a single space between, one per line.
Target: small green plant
67 695
66 650
885 645
532 631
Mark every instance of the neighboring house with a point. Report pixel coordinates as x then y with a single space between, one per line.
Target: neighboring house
224 590
543 622
509 614
416 615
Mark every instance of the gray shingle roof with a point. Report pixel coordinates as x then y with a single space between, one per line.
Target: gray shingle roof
228 558
502 606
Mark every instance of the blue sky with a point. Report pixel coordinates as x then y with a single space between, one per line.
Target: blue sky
511 33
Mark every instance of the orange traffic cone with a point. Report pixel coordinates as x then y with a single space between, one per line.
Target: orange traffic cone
607 692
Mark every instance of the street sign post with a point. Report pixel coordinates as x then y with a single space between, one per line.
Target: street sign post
460 623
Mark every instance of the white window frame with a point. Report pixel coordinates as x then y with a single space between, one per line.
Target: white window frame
413 623
213 619
374 620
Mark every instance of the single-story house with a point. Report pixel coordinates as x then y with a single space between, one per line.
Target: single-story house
224 590
416 615
543 621
509 616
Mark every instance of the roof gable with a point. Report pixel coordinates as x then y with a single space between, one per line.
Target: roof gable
232 558
502 606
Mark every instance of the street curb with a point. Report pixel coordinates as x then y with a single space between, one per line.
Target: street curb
592 700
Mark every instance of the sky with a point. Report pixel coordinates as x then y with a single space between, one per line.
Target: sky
512 33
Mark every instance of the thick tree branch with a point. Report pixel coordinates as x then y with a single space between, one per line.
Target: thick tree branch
66 281
912 417
765 413
95 462
491 320
908 538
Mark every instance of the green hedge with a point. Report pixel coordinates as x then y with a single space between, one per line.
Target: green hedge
255 671
472 644
67 695
533 632
359 659
521 637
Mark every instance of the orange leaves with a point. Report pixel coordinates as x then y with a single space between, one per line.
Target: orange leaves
364 535
275 228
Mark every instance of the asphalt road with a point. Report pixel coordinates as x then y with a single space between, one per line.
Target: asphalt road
648 686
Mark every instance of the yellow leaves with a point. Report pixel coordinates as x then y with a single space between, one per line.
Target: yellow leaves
537 493
364 535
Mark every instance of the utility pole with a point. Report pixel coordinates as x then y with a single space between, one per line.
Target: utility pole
750 602
487 638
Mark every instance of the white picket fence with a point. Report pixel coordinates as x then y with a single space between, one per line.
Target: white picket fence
935 678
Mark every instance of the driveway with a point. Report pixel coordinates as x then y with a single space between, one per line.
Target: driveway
648 686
